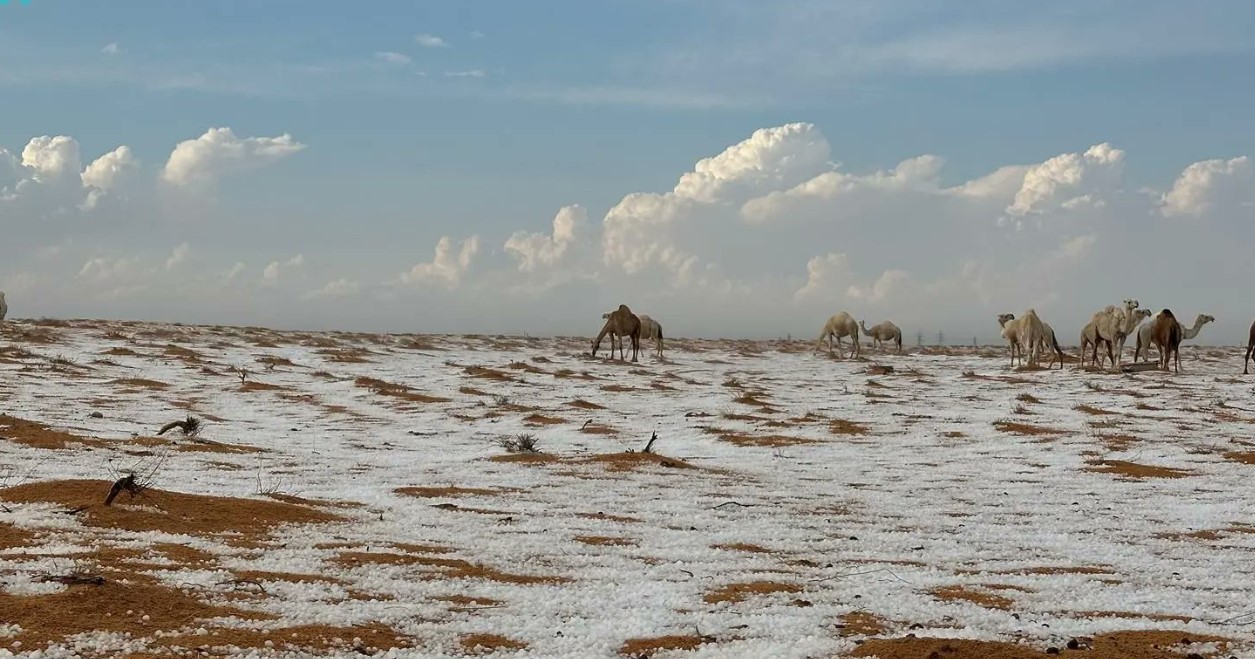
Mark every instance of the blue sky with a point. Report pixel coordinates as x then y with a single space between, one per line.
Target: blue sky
420 120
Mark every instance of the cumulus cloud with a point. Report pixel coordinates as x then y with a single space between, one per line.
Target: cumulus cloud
109 172
275 269
1068 181
52 158
335 289
393 58
448 265
218 152
1204 185
537 250
178 256
111 48
430 41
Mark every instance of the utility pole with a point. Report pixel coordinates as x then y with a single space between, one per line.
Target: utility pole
941 338
919 339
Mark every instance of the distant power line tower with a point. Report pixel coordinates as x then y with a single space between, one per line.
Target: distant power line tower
941 338
919 340
974 342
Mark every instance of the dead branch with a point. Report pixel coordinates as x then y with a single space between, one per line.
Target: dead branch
731 503
649 447
190 426
125 483
75 579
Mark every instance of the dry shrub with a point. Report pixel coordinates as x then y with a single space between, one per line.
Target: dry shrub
647 647
739 592
1133 470
1026 429
396 391
168 512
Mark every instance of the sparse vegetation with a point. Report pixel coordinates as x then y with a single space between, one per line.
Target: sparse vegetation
521 443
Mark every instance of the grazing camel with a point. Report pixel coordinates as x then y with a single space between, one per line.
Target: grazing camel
1250 344
1107 325
1025 333
623 323
650 329
1048 343
882 332
838 326
1166 334
1143 335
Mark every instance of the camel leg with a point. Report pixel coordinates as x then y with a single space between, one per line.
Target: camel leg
636 346
1245 365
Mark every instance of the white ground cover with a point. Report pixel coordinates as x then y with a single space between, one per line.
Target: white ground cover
934 494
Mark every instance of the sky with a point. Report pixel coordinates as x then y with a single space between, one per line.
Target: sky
731 168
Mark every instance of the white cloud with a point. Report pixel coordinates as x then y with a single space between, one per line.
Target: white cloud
275 269
218 152
430 41
103 269
52 158
111 48
476 34
393 58
1071 178
1204 185
335 289
824 275
472 73
536 250
890 283
178 256
448 265
107 173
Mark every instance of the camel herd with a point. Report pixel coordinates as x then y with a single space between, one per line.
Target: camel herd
1028 337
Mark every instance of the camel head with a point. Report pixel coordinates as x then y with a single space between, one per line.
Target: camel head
1202 317
1130 304
1004 318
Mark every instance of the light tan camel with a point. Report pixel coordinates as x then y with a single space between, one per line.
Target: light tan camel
624 323
1025 333
838 326
1050 343
650 329
1250 345
1142 350
1107 325
882 332
1166 334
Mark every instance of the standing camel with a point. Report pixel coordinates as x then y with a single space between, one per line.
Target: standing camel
4 307
882 332
1050 343
1250 345
1143 335
1166 334
838 326
650 329
1107 325
1025 333
623 323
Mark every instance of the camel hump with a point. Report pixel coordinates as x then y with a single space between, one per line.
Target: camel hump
624 307
1168 313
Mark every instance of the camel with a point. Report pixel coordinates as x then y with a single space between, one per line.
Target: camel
1108 325
882 332
1025 333
838 326
650 329
4 307
1166 334
1048 343
623 323
1250 344
1143 335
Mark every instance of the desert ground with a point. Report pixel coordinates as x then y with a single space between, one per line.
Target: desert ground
357 495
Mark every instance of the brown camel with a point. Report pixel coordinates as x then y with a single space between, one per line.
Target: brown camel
1250 345
623 323
1166 335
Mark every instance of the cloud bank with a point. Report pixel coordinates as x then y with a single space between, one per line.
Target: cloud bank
765 238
